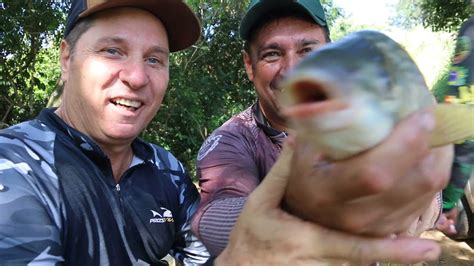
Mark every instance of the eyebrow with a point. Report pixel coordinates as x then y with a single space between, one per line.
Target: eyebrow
117 40
306 42
122 41
276 46
261 48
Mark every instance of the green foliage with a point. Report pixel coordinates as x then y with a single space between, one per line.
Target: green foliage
441 88
27 28
439 15
208 83
335 16
446 15
408 14
332 12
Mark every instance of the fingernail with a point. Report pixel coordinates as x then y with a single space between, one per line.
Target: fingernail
452 229
427 121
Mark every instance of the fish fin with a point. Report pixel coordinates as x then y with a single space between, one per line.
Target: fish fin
454 123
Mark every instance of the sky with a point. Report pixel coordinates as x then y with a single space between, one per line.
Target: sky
367 11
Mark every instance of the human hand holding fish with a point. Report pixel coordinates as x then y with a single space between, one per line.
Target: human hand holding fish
362 111
379 192
288 240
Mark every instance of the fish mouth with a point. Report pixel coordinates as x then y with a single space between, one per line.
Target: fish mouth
129 104
307 98
307 91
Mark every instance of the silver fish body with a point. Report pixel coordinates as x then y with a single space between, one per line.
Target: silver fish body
347 96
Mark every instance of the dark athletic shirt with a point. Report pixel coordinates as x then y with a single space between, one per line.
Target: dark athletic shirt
59 203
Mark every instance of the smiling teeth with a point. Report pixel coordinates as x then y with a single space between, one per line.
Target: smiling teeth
128 103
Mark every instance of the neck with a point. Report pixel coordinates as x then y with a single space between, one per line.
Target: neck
274 120
280 126
120 155
120 159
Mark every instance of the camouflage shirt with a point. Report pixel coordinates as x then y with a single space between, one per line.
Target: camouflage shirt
59 202
460 90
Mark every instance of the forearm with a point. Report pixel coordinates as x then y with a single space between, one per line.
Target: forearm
217 222
29 234
463 165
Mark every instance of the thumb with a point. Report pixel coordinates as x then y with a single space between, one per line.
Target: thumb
365 249
272 188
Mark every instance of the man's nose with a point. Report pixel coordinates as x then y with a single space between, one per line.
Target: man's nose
289 63
134 74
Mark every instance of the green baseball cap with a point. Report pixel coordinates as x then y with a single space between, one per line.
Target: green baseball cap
260 8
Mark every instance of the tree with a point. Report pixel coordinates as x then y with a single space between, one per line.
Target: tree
408 14
446 15
439 15
208 81
28 27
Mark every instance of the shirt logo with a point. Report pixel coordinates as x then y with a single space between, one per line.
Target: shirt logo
162 216
209 145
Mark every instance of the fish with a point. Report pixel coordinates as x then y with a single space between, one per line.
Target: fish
347 96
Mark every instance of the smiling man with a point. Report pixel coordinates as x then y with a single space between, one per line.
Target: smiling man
77 185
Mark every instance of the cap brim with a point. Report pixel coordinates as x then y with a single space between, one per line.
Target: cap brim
182 25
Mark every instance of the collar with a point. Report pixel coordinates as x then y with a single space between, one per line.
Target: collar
275 135
89 147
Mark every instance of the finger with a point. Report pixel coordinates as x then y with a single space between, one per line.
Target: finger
452 214
452 229
417 194
379 217
442 223
317 183
273 186
430 176
406 146
379 169
362 249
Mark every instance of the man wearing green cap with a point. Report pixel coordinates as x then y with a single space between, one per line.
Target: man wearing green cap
377 193
77 185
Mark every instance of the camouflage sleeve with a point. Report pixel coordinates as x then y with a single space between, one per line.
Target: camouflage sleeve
28 233
462 167
460 90
29 220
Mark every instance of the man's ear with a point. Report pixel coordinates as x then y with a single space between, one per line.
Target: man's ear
248 65
64 59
